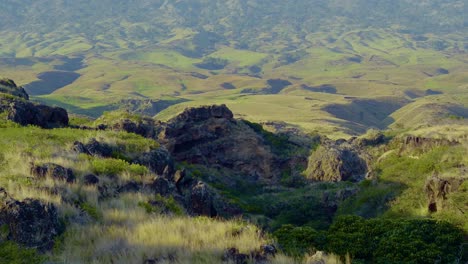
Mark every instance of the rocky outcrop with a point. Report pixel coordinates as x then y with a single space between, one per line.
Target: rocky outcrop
54 171
31 223
8 86
27 113
210 136
437 190
336 161
23 112
94 148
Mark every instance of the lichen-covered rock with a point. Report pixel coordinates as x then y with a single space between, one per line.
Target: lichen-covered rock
31 223
336 162
54 171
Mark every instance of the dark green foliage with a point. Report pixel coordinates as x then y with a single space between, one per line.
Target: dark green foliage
394 241
297 241
162 204
91 210
11 253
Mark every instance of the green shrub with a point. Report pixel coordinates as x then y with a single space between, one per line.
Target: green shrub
91 210
297 241
116 166
11 253
394 241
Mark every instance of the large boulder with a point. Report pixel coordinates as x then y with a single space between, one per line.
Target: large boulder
31 223
334 162
210 136
27 113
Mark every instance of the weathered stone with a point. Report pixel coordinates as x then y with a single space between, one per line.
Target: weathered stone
27 113
200 200
162 186
210 136
31 223
232 255
54 171
156 160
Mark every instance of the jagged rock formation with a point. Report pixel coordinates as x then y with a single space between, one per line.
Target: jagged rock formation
30 223
211 136
14 102
437 190
93 148
336 161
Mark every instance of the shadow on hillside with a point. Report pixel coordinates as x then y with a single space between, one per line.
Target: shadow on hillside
367 112
93 112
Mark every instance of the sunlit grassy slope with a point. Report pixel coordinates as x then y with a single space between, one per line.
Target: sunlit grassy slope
368 63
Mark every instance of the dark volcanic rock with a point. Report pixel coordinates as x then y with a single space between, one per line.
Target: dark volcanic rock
334 162
27 113
90 179
163 186
232 255
146 127
8 86
201 201
31 223
53 170
211 136
94 148
156 160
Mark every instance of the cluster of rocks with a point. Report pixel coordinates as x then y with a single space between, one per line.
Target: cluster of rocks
24 112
